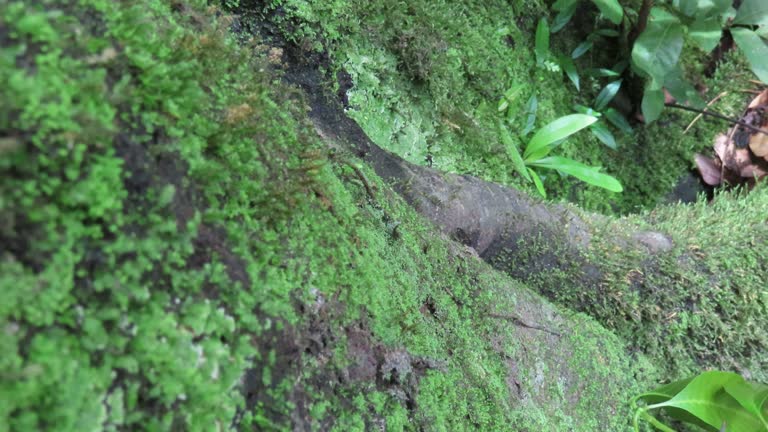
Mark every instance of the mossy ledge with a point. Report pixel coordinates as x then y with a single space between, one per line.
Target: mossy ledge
181 252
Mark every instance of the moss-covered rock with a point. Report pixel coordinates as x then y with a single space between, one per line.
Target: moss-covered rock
181 252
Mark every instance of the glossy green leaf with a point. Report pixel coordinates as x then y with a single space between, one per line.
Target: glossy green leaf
665 392
687 7
514 152
752 12
762 31
611 9
542 41
602 72
570 69
657 50
585 173
564 17
581 49
581 109
712 8
530 122
537 181
561 5
557 130
682 90
607 94
652 105
618 120
706 32
752 396
705 398
754 49
604 135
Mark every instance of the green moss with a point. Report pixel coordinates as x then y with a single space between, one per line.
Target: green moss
427 77
172 222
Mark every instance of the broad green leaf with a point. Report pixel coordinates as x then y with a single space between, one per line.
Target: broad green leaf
682 90
561 5
509 144
752 396
687 7
652 105
537 181
618 120
542 41
704 398
762 31
752 12
657 50
604 135
570 69
581 49
706 32
712 8
665 392
564 17
755 50
530 122
557 130
611 9
607 94
585 173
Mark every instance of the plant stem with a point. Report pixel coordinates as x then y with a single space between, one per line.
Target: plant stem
719 116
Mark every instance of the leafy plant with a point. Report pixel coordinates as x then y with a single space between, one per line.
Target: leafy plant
600 108
657 40
543 142
714 401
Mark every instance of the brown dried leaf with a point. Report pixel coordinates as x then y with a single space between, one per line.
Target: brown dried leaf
709 169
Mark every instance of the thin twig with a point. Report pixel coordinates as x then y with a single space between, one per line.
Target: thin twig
721 117
363 179
705 108
519 321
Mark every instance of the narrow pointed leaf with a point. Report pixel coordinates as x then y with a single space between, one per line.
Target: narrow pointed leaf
581 49
604 135
530 122
509 144
570 69
537 181
755 49
582 172
557 130
752 12
602 72
618 120
611 9
563 17
607 94
542 41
